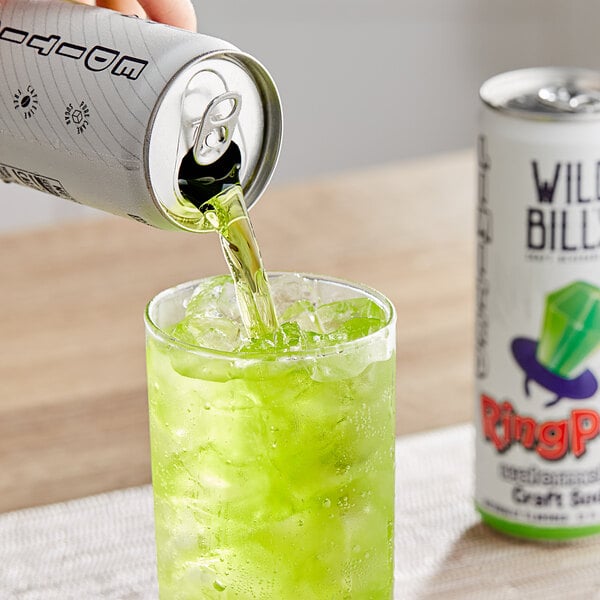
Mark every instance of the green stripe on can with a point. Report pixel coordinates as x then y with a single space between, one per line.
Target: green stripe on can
530 532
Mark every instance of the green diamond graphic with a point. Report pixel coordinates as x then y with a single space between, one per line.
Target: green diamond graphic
571 328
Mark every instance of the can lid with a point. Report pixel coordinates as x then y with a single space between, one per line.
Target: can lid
192 114
545 93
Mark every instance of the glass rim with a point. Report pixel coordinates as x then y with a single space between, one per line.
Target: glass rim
326 350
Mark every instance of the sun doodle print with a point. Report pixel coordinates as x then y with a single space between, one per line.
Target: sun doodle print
26 102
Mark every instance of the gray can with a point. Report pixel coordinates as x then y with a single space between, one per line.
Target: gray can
100 108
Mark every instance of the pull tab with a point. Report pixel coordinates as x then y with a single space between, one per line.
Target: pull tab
214 130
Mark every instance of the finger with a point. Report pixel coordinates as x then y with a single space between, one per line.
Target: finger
179 13
127 7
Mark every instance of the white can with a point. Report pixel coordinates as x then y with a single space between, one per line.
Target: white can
100 108
538 304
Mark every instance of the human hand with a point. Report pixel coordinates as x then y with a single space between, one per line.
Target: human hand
179 13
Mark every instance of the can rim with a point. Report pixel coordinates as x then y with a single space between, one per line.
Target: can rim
497 91
257 181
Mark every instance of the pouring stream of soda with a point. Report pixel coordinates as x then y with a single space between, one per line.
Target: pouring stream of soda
216 191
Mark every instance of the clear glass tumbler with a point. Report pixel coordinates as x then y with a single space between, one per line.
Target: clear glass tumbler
273 473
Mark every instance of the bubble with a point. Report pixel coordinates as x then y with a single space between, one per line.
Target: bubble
343 503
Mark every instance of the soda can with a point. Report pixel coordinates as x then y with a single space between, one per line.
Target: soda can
100 108
538 304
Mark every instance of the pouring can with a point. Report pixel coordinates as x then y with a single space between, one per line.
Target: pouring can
100 108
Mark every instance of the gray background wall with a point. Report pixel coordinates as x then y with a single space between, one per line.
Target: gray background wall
371 81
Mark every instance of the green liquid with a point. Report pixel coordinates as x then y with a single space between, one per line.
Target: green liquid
273 479
216 192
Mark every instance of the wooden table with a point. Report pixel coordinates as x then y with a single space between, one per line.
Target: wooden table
72 380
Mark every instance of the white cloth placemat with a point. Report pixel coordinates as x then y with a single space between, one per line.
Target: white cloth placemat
102 547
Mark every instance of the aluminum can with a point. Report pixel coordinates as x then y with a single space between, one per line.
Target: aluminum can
100 108
538 304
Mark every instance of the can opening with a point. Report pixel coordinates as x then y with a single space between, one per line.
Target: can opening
208 161
199 183
218 123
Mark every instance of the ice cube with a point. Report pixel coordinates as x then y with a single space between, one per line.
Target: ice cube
302 312
290 288
353 329
205 296
214 333
334 315
195 576
214 297
203 368
346 364
288 337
